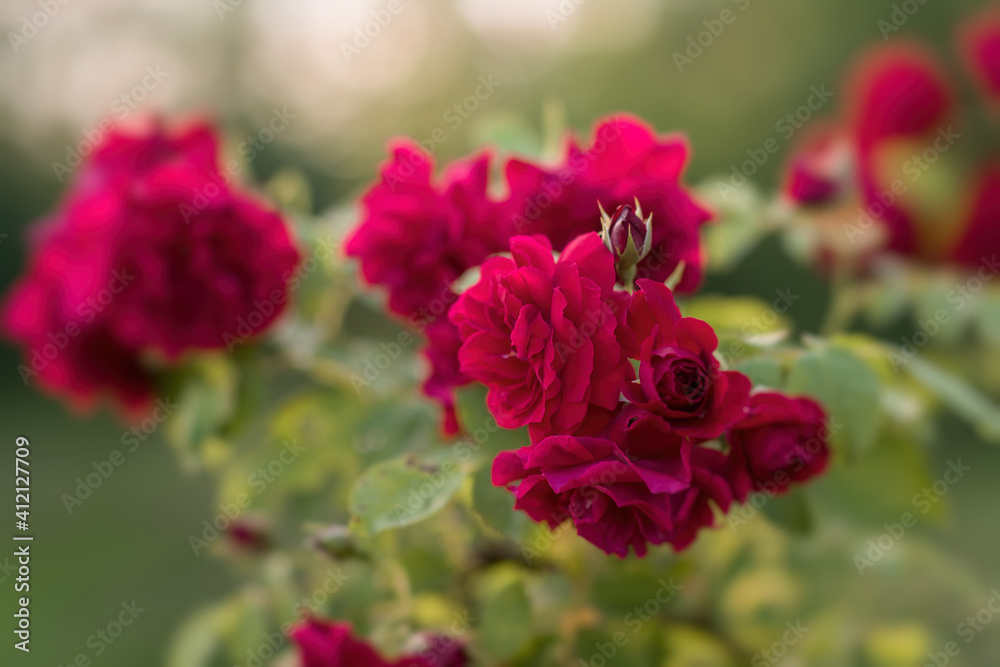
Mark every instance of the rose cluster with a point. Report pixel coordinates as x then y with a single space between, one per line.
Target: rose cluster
637 434
325 644
153 253
888 155
635 454
418 236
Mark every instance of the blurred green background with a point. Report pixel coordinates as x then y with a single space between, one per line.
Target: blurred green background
129 540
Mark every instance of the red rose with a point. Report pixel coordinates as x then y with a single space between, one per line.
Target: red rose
416 238
679 376
640 483
780 441
979 41
625 160
542 334
326 644
980 239
152 252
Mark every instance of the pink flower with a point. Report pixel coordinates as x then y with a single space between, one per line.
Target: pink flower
151 254
640 483
543 335
417 237
328 644
780 441
625 160
679 376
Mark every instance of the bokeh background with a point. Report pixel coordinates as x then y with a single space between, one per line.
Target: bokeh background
239 61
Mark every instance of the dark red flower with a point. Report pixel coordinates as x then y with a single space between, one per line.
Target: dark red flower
417 237
640 483
441 352
543 335
780 441
329 644
898 92
981 231
821 168
626 160
679 376
979 41
153 252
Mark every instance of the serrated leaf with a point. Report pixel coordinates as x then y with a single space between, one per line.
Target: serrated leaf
849 391
403 491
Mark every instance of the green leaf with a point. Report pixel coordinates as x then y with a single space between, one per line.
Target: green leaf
849 390
762 370
495 506
506 624
743 318
207 400
199 641
740 226
961 397
790 511
405 490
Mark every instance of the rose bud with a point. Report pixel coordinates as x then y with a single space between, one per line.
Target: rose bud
629 238
250 535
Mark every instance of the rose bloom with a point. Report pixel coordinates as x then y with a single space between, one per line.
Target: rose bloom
640 483
625 160
416 238
979 42
543 334
328 644
679 376
780 441
152 253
